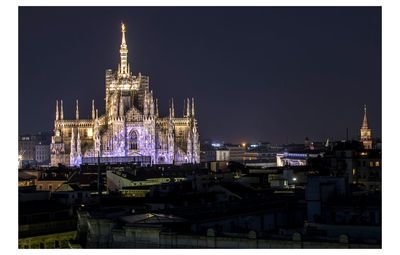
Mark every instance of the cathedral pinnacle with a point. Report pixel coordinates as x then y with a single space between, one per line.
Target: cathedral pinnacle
77 110
157 107
145 104
57 110
188 108
123 70
192 107
62 111
72 143
93 110
78 144
172 108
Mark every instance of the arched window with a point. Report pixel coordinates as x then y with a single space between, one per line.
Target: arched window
133 140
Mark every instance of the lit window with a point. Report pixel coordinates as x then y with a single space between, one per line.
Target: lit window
354 171
371 164
90 132
377 163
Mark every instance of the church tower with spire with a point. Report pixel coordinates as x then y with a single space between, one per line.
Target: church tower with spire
365 132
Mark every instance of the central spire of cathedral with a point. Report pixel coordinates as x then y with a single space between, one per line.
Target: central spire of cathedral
124 68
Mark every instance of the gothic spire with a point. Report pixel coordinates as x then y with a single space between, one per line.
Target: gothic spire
72 143
62 111
172 108
77 110
151 103
57 114
192 107
123 43
157 107
96 125
188 108
78 144
184 107
93 116
145 105
124 53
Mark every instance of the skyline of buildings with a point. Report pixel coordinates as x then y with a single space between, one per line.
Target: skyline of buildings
35 149
277 152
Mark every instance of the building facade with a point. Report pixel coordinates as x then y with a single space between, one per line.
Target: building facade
42 153
236 152
215 155
130 126
26 147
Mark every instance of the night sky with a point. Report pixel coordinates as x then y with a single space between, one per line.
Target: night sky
256 73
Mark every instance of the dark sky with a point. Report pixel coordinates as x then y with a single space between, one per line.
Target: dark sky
257 73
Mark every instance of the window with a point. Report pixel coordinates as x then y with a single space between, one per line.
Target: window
371 164
132 140
50 187
377 163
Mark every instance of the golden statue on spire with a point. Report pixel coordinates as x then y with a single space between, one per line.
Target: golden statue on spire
123 26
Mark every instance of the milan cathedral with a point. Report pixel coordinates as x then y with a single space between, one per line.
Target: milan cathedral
130 127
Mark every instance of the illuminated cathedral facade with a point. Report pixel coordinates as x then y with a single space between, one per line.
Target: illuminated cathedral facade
131 125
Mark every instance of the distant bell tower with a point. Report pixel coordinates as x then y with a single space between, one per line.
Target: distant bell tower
365 132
